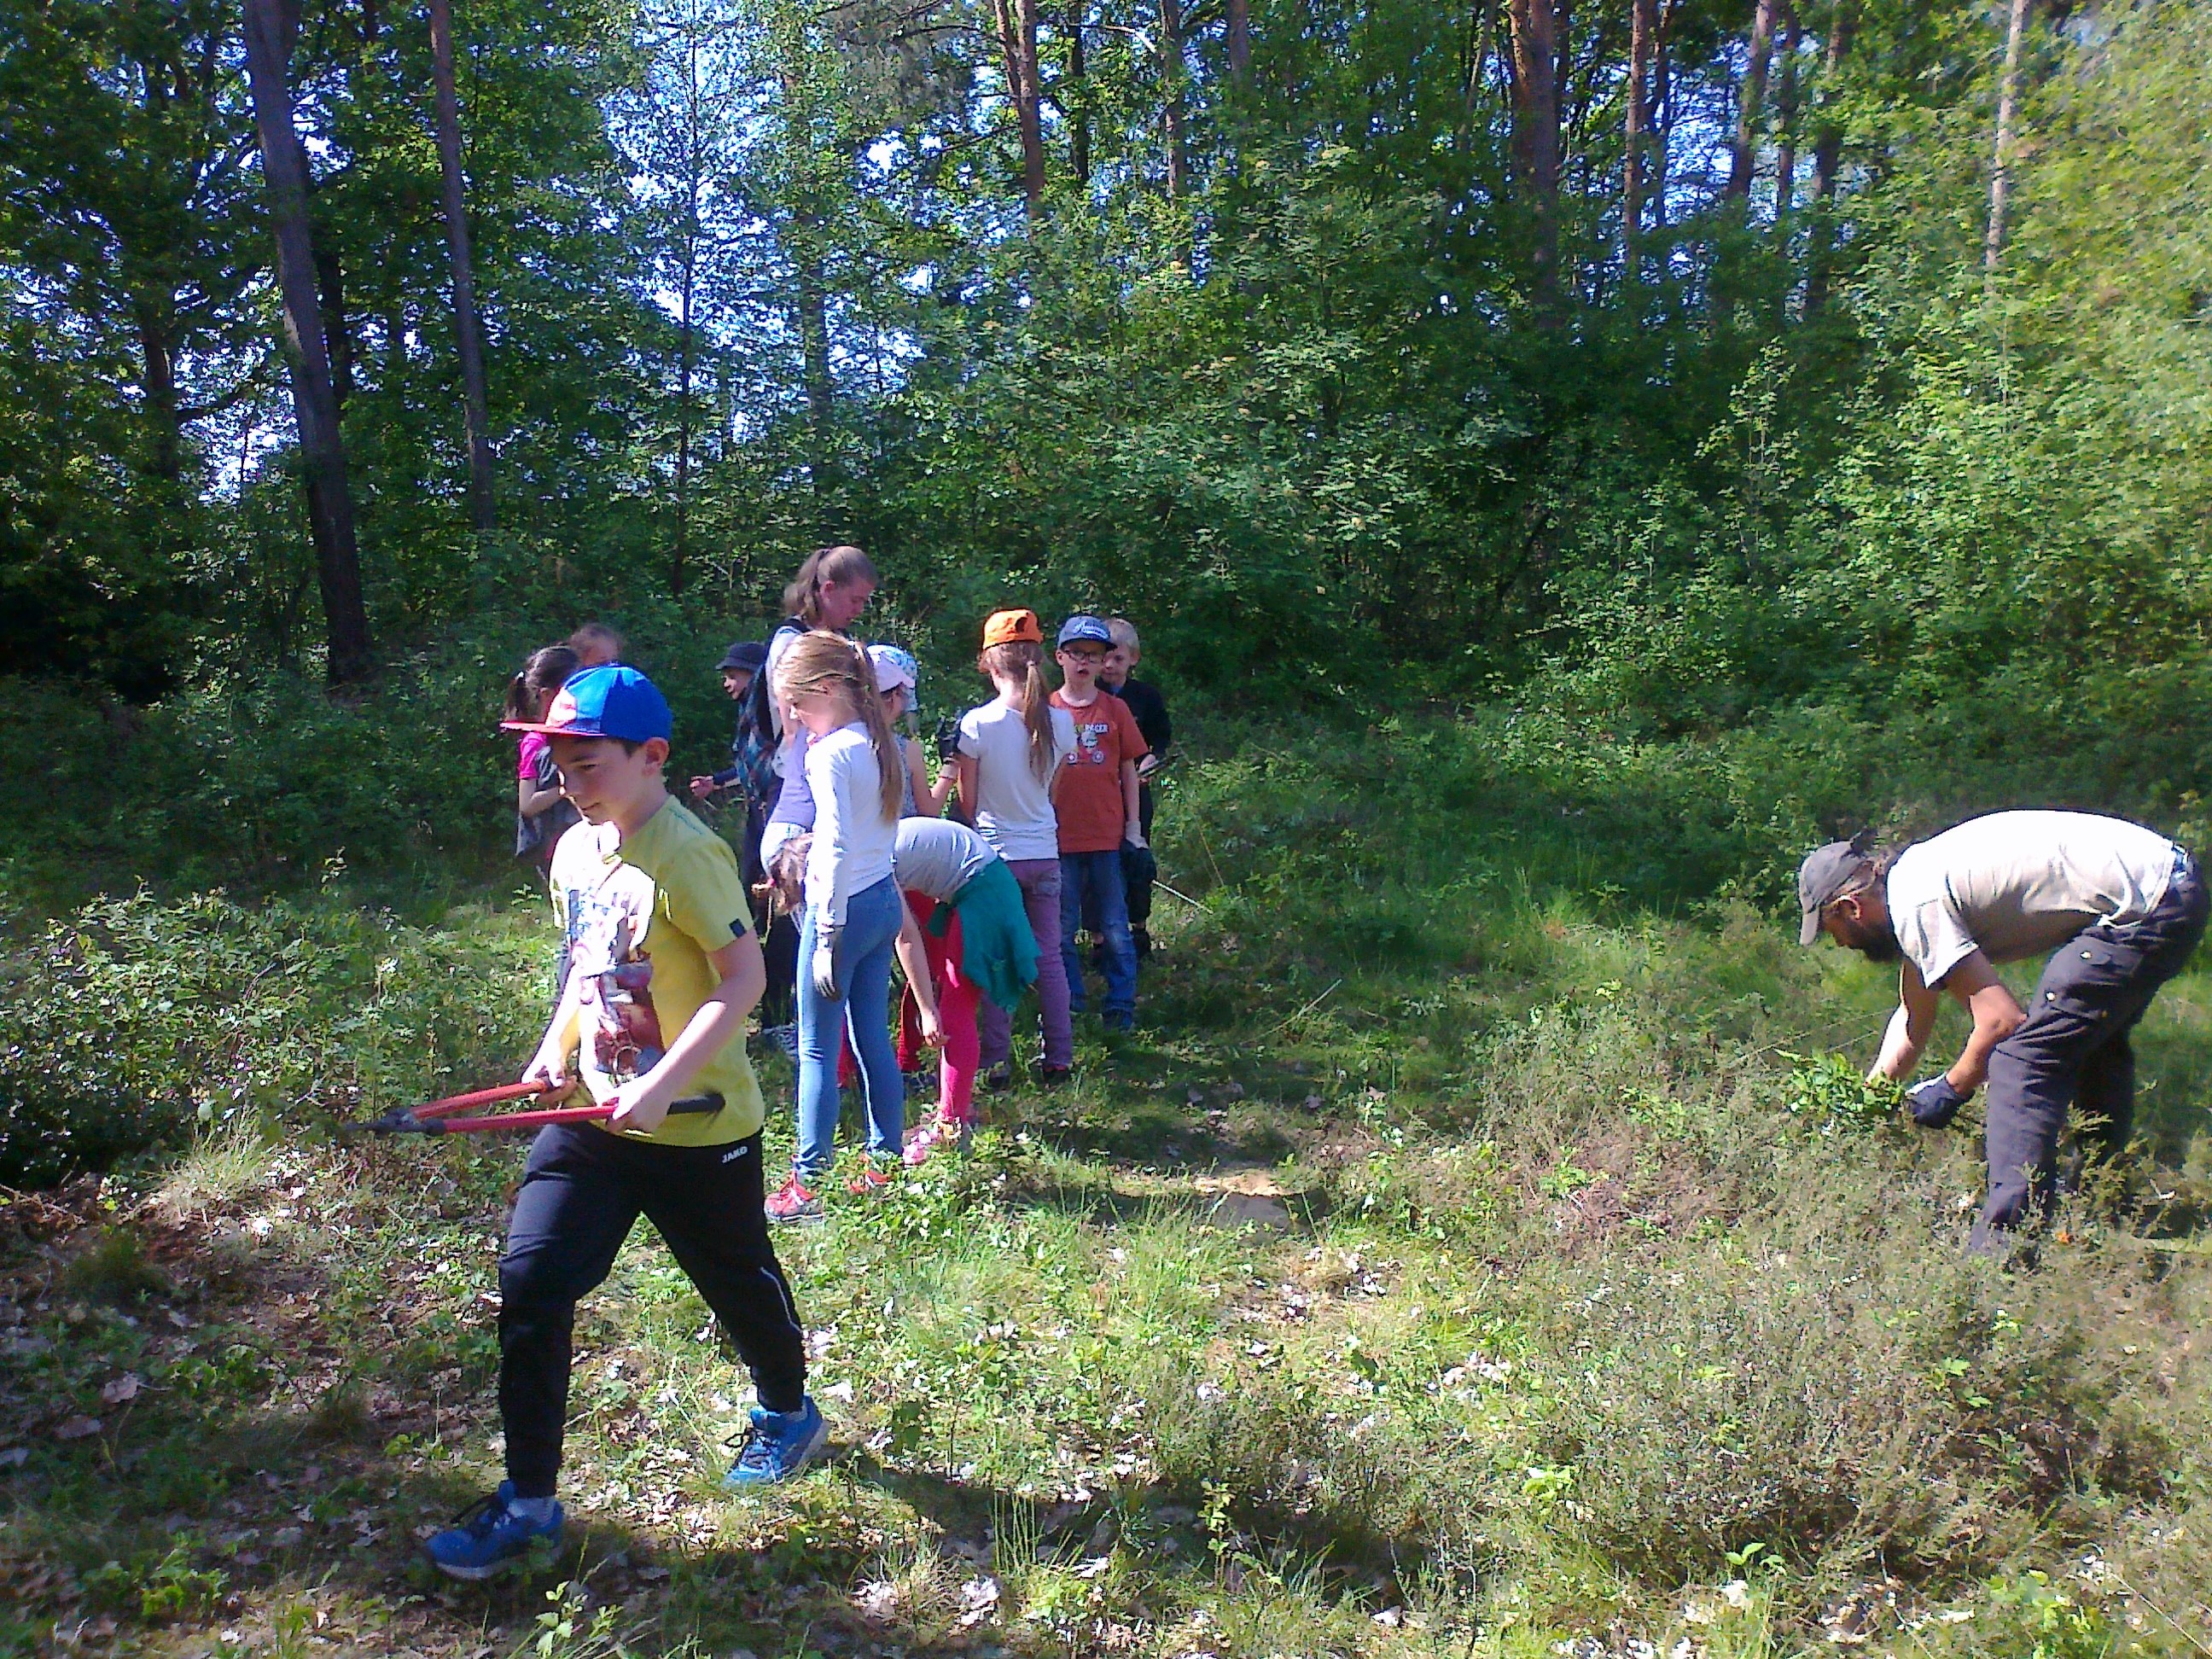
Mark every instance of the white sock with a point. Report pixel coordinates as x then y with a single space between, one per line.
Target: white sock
536 1510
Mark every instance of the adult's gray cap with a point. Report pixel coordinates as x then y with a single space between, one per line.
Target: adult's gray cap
1826 874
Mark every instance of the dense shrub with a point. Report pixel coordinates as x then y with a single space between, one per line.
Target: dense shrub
130 1021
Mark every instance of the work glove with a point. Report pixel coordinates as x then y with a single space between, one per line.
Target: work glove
824 966
1933 1103
1138 862
948 739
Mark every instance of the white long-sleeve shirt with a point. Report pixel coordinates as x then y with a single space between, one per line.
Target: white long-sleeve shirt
854 836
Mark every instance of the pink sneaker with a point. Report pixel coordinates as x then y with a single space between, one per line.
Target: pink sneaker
870 1179
793 1201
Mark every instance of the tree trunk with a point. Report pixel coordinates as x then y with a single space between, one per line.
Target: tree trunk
683 349
1642 30
475 400
1239 42
164 434
1078 97
1536 140
814 351
269 26
1663 112
1474 72
2000 160
1744 156
1827 157
337 331
1171 100
1563 68
687 288
1785 112
1018 27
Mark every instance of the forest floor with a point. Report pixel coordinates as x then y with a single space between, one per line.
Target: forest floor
1465 1257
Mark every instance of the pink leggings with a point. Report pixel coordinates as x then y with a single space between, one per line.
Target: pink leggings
958 998
1040 884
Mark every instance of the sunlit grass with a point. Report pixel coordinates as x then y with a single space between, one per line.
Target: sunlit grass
1567 1308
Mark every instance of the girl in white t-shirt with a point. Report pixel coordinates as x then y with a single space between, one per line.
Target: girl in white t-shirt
1011 752
854 912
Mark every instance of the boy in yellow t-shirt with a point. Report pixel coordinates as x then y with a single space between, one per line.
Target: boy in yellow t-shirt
663 969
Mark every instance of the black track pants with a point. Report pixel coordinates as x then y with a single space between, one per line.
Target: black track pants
581 1193
2075 1050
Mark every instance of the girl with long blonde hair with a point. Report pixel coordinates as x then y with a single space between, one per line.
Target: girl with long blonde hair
852 915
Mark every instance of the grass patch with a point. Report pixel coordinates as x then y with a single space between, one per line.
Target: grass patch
1575 1298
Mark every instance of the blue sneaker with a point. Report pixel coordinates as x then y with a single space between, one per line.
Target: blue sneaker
778 1445
488 1535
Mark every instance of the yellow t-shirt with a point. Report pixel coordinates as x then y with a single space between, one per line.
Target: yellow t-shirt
641 918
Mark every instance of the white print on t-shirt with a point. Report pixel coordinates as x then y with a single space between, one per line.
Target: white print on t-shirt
1090 741
613 974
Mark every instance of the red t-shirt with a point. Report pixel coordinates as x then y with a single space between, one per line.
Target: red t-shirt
1092 813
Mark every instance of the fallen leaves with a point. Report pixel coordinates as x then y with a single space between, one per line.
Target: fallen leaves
979 1599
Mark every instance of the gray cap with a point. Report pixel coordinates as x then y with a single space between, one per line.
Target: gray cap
1826 874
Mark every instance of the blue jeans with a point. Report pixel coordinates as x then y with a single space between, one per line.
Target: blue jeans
1098 876
864 975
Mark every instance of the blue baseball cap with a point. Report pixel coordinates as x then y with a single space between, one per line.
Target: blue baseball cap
610 701
1085 630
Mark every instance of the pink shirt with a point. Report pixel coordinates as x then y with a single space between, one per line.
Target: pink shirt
533 744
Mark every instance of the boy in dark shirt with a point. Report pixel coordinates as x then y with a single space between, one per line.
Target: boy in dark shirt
1150 710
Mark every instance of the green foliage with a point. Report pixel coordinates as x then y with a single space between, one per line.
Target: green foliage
1828 1091
1563 1322
133 1021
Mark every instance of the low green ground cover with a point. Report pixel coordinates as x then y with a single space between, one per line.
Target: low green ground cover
1480 1250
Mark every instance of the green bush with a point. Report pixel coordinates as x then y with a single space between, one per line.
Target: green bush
131 1021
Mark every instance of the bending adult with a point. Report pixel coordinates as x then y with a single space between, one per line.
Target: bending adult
829 592
2119 907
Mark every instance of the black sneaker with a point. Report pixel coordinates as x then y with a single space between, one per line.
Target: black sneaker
1000 1077
1050 1076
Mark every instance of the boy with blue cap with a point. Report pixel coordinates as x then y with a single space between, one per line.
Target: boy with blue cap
1099 811
663 970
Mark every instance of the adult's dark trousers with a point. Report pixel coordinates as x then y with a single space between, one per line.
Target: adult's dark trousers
2075 1050
1139 870
778 933
779 1003
583 1191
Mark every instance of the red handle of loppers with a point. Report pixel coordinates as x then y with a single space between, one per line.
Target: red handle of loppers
480 1097
453 1126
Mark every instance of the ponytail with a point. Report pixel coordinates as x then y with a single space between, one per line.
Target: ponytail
890 759
546 670
822 661
802 595
1024 662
